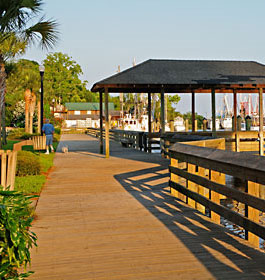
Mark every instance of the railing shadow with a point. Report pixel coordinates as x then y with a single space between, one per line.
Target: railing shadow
213 245
90 147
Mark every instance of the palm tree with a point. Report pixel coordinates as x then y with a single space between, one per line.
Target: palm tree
20 24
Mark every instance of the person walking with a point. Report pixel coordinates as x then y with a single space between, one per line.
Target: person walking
48 130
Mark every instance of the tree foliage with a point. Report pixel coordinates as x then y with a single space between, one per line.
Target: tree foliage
21 76
61 80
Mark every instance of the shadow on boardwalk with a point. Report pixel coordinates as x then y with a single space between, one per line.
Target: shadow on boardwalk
214 246
221 253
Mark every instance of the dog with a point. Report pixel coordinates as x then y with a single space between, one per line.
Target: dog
65 149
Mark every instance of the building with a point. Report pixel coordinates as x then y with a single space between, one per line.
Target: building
86 114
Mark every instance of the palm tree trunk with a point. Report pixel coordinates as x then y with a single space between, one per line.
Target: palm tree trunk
2 93
4 141
31 111
27 96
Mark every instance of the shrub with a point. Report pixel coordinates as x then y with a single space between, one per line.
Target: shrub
15 237
16 133
27 164
57 130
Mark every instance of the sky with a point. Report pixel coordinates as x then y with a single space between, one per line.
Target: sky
100 35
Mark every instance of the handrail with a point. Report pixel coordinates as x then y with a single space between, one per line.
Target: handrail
138 139
203 170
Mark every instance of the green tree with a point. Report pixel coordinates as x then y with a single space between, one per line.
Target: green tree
18 21
61 80
21 76
10 47
198 117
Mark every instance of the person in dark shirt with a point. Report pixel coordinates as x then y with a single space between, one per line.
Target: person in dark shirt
48 130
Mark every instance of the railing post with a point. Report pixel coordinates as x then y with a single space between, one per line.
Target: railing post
192 186
215 197
173 177
252 213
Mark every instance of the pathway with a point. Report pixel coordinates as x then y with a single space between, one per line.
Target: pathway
114 219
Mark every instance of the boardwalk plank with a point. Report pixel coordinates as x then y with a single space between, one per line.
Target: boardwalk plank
115 219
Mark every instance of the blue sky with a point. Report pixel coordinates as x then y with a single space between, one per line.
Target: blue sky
102 34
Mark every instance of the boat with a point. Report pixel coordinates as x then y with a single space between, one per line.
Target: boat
179 124
226 123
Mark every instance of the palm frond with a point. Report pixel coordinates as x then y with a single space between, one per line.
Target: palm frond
14 14
46 32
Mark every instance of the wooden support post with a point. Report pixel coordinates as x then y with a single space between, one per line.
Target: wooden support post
204 125
252 213
172 126
237 141
237 136
193 110
235 110
186 125
106 123
261 138
101 122
196 125
162 115
149 121
213 111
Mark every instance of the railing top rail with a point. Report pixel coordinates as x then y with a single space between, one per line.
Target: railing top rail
241 165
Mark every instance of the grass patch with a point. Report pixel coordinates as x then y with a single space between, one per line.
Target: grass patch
34 183
46 161
9 145
30 184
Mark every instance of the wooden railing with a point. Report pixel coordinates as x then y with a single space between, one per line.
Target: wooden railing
38 143
8 168
240 141
136 139
198 178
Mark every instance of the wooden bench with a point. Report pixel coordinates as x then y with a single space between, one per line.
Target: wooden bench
126 142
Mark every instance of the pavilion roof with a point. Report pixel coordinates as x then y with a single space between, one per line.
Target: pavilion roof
186 75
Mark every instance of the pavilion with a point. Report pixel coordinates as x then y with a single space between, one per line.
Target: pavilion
184 76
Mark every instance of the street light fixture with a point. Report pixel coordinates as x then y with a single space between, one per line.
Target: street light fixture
41 69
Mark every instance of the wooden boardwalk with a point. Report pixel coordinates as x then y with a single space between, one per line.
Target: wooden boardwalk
114 219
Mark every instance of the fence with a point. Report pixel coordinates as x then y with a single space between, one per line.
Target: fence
8 168
198 178
240 141
38 143
136 139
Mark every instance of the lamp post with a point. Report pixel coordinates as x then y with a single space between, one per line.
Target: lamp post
41 69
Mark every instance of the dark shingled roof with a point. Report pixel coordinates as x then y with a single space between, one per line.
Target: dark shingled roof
86 106
178 74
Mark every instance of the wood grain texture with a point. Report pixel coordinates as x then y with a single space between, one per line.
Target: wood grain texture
115 219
